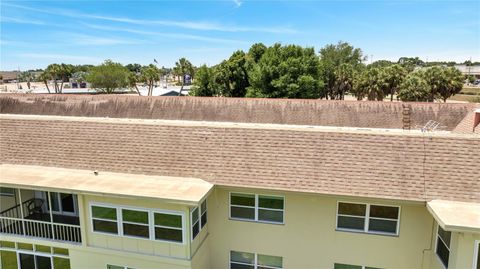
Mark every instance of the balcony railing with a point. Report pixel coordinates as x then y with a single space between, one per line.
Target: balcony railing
33 225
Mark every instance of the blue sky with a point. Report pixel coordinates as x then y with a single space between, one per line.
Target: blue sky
37 33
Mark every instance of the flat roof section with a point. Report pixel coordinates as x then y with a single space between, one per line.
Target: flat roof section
456 216
174 189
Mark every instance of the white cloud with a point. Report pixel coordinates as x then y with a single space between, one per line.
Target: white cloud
58 57
193 25
21 21
238 3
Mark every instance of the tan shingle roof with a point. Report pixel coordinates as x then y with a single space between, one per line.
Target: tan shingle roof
280 111
376 163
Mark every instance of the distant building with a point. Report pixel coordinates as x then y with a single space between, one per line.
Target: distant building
469 70
9 76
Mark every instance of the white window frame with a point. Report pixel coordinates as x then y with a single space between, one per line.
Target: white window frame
255 265
45 194
437 236
362 266
124 267
476 249
367 219
108 220
148 225
256 208
169 212
200 214
151 222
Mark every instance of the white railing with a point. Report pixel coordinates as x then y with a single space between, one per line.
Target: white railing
42 229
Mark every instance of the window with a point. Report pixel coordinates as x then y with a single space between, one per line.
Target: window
168 227
254 207
104 219
15 255
165 226
135 223
376 219
245 260
443 245
117 267
63 203
198 218
349 266
7 191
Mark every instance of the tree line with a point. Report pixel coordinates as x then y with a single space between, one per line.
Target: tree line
291 71
277 71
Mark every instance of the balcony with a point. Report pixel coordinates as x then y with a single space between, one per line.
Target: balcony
40 214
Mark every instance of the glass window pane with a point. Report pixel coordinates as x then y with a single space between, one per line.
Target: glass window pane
104 212
386 226
444 235
242 257
114 267
25 246
443 252
195 230
240 266
136 230
386 212
204 219
45 249
204 206
43 262
27 261
351 223
54 198
61 263
60 251
105 226
346 266
168 220
242 213
135 216
7 191
270 202
7 244
168 234
352 209
271 216
195 215
67 202
8 259
243 199
272 261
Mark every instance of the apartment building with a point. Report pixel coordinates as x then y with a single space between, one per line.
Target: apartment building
142 183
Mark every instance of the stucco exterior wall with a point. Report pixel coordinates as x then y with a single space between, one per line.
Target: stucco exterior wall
308 239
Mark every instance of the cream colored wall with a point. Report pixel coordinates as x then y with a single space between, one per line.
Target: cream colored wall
93 258
308 239
136 245
462 247
201 258
462 250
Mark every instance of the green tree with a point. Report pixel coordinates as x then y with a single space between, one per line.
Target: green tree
370 84
452 81
136 68
108 77
150 75
232 75
45 77
410 63
60 73
334 57
204 84
26 76
414 88
132 80
256 51
183 67
286 72
393 76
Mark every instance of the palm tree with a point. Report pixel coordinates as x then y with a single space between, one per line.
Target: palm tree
45 77
183 67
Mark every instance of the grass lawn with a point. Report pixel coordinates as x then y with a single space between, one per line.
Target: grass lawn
468 94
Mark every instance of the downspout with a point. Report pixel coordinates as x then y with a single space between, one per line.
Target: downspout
429 249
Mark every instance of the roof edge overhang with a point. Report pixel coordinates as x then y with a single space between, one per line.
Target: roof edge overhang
441 211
